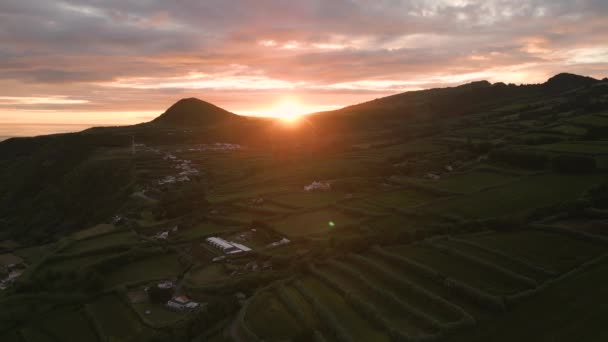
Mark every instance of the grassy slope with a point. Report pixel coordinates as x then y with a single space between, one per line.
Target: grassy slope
567 311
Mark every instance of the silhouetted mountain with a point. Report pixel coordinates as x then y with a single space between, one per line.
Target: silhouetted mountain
194 112
565 81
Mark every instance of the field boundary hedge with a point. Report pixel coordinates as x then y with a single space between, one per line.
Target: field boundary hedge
367 310
572 233
325 315
510 258
482 263
465 318
388 296
482 298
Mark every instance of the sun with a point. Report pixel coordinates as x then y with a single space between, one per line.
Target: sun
289 110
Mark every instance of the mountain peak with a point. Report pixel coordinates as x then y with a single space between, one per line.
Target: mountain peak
193 111
565 81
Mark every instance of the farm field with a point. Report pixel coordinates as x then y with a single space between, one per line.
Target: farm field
401 199
150 268
518 197
265 308
314 222
104 241
93 231
472 181
308 199
578 293
69 325
201 275
408 286
558 253
202 230
115 319
587 148
157 314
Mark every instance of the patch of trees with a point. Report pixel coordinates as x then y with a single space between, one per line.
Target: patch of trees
573 163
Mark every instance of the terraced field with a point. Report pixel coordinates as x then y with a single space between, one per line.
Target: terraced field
423 291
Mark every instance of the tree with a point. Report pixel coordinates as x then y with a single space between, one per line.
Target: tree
159 295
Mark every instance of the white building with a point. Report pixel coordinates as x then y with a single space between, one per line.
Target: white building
182 303
228 247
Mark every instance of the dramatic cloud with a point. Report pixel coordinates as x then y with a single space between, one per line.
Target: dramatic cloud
131 56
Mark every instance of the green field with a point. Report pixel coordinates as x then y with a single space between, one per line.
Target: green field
150 268
308 199
569 130
314 222
358 327
472 181
591 120
93 231
116 320
203 230
108 240
202 275
75 263
157 314
70 325
590 148
552 251
401 199
567 311
460 269
518 197
266 308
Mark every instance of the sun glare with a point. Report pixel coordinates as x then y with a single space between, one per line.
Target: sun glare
289 110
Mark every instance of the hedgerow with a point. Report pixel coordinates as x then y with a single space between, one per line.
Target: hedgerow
465 318
388 296
326 316
365 309
520 262
480 297
483 263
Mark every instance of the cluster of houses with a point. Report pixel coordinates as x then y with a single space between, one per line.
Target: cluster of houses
186 170
318 186
216 147
227 247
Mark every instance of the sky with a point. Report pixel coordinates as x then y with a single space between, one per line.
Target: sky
126 61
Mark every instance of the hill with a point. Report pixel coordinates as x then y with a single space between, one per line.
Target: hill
194 112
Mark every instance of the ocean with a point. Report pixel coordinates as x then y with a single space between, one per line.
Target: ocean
10 130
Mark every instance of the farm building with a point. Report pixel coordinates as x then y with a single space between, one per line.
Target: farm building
227 247
182 303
